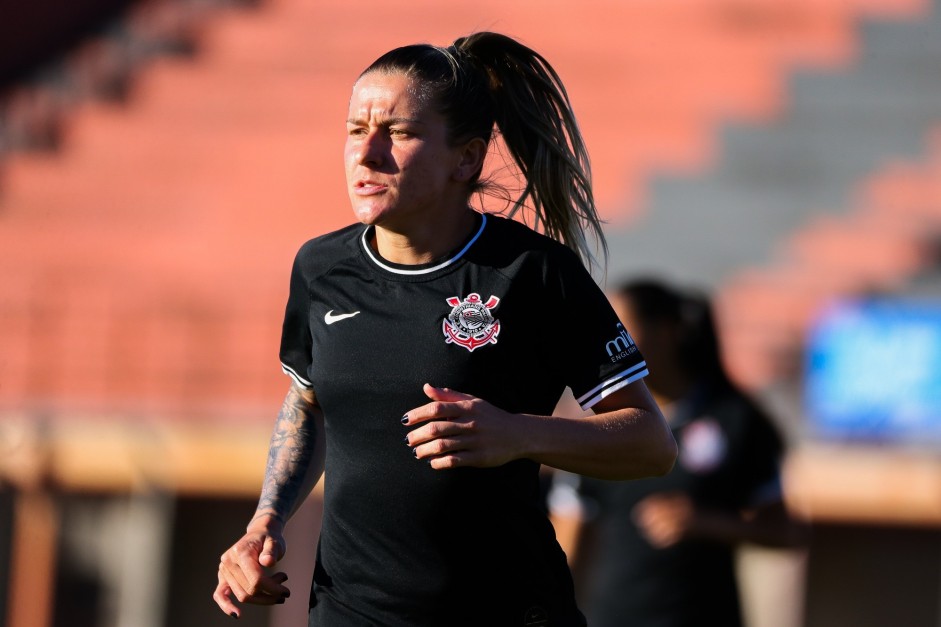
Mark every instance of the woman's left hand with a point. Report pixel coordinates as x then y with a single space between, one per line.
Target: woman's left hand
458 429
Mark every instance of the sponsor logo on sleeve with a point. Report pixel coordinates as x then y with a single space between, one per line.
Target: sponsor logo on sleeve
470 323
621 346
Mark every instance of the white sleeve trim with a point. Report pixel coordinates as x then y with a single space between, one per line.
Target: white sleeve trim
298 379
612 385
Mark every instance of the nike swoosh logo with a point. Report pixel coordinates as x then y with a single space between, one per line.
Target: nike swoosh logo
330 318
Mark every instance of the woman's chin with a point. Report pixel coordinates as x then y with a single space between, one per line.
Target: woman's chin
368 215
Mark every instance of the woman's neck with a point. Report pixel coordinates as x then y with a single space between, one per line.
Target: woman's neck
425 242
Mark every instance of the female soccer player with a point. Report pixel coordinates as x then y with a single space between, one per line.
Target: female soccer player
428 345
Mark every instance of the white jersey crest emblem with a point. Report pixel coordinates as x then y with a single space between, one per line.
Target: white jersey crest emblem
470 323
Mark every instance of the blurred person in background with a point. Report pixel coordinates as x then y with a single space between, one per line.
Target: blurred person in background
427 347
660 552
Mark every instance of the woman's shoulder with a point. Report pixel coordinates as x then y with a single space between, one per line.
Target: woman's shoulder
741 413
517 239
324 251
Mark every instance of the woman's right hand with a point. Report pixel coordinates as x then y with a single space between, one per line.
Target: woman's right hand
242 574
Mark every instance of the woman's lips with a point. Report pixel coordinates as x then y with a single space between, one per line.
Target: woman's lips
368 188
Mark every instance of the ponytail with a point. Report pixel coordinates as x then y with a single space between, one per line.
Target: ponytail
489 79
534 115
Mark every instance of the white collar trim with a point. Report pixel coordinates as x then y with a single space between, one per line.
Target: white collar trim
443 264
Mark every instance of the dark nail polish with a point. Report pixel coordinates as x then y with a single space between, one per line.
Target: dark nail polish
415 452
233 615
406 441
280 601
405 419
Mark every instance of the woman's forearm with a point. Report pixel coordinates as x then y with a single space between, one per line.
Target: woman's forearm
623 444
626 438
295 456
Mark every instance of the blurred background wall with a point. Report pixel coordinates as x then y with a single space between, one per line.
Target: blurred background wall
162 160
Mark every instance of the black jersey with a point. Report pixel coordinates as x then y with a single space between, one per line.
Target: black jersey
512 318
729 457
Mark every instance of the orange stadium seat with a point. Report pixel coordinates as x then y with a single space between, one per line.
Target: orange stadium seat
131 241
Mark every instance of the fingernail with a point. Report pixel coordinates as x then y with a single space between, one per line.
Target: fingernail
288 593
280 601
406 441
233 615
415 452
405 419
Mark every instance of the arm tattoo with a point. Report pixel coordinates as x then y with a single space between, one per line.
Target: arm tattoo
289 456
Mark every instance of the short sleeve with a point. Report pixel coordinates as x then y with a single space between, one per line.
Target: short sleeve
599 355
295 332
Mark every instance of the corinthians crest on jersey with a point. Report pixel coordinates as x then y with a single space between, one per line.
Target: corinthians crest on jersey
470 323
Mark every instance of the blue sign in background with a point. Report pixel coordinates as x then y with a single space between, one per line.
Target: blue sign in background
874 372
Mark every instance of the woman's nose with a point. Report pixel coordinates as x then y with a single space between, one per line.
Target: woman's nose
372 149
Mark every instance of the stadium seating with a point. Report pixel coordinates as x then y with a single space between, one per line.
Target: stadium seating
144 261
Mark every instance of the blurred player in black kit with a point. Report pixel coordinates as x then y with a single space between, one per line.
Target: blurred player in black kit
660 552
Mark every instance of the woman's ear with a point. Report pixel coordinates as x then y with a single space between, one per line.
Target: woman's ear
471 161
